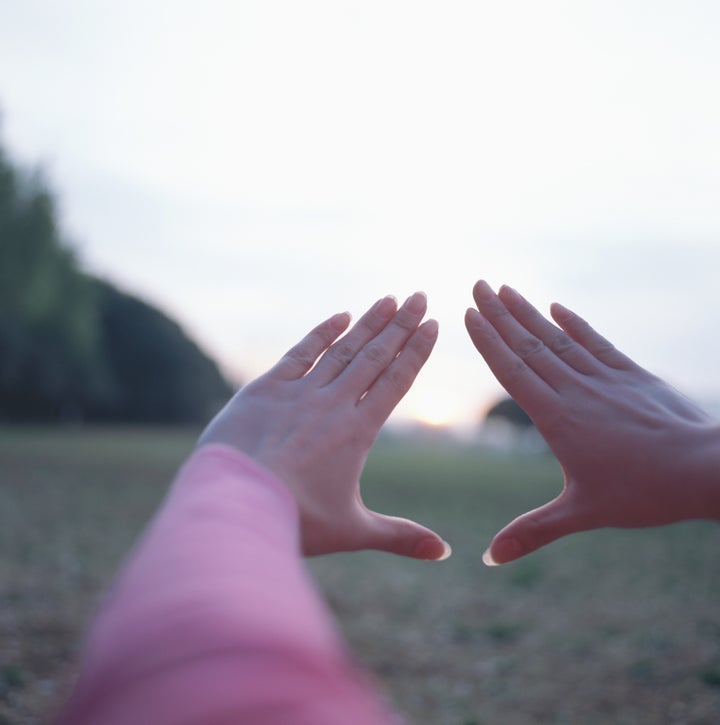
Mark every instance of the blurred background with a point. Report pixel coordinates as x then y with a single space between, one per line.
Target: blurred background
251 167
187 187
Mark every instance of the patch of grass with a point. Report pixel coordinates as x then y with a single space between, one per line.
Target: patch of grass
711 676
527 573
496 632
573 633
11 678
644 669
709 629
504 632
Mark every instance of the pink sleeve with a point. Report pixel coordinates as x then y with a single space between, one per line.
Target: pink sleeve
215 620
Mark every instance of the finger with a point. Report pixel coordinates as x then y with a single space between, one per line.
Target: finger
521 382
404 537
380 352
601 348
527 346
394 382
301 357
556 340
531 531
342 352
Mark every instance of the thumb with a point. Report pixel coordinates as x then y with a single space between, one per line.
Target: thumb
405 538
532 531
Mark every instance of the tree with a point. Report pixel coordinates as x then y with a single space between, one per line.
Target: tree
72 346
158 374
507 426
508 410
47 311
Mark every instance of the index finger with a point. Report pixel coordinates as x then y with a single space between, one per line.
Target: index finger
379 352
300 358
530 391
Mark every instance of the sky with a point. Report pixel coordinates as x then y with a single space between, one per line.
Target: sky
253 167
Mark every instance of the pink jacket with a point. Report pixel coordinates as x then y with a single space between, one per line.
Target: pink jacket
214 620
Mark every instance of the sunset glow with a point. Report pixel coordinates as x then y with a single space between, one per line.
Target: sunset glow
435 409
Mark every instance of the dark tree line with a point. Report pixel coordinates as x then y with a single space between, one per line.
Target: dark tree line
74 347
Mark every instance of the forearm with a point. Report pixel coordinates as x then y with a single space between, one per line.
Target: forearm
216 593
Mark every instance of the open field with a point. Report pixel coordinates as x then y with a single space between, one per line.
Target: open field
605 627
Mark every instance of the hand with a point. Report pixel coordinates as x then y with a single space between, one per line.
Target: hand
634 452
313 418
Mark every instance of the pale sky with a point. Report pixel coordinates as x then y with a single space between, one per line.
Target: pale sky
253 167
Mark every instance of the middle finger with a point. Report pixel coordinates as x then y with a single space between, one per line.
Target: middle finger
342 352
526 345
379 352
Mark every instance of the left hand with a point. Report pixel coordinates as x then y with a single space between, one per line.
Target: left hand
634 451
313 418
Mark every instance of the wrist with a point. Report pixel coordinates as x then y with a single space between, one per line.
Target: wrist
699 481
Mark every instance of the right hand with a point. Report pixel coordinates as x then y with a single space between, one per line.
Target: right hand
313 418
634 451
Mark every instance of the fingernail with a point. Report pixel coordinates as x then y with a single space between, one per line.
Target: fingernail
386 307
340 321
561 312
508 294
447 552
430 329
416 303
483 290
474 318
505 550
433 549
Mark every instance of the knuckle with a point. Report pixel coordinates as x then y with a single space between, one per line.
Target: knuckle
497 312
561 343
343 353
484 334
603 347
515 371
400 379
300 357
377 355
529 346
405 320
582 328
368 324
